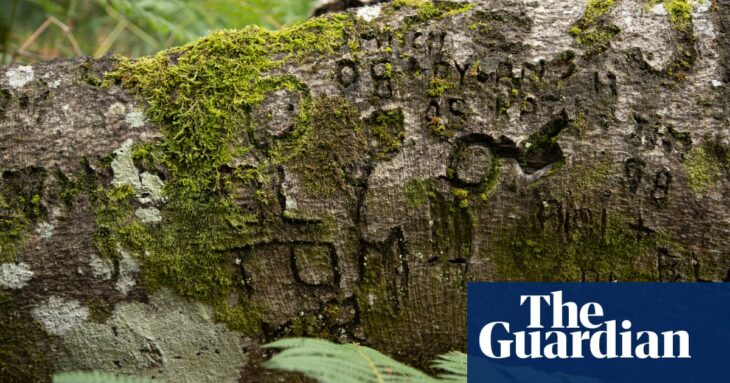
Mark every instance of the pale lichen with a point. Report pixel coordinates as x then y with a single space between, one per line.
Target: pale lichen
169 339
148 215
151 187
135 119
19 76
15 275
45 229
128 270
116 108
101 268
369 13
58 315
125 173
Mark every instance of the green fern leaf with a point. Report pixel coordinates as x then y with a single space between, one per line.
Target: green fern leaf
454 363
341 363
95 377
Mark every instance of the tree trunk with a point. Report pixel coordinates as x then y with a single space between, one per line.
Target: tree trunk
346 177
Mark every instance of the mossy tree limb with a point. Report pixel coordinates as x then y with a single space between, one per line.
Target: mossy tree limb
346 177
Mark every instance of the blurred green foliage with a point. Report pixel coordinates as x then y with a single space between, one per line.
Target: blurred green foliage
128 27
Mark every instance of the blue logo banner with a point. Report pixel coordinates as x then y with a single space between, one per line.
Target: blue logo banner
598 332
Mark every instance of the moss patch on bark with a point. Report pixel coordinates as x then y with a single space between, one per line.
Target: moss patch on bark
20 206
706 165
201 95
591 30
24 355
598 251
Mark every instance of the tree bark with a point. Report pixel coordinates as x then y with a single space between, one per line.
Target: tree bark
166 217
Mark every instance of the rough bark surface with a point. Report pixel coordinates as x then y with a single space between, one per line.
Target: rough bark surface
420 147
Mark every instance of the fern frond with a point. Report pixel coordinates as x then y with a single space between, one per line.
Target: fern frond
95 377
341 363
454 363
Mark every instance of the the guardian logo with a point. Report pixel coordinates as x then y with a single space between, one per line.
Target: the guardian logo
576 332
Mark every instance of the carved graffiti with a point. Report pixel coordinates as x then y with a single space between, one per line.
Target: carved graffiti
634 171
347 73
662 182
381 73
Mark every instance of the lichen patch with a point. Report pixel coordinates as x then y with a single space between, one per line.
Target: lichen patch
148 215
15 275
116 109
101 268
19 76
135 119
58 315
649 31
45 229
125 173
128 270
150 188
169 339
547 35
369 13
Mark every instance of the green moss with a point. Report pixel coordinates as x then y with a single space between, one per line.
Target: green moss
438 129
309 325
70 187
354 45
24 355
680 12
244 318
20 208
491 179
585 178
592 251
198 92
187 251
437 87
461 196
456 9
703 169
376 284
328 138
201 95
591 30
388 66
579 124
13 230
685 52
503 108
388 128
99 311
147 155
543 144
597 38
597 8
425 10
418 192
